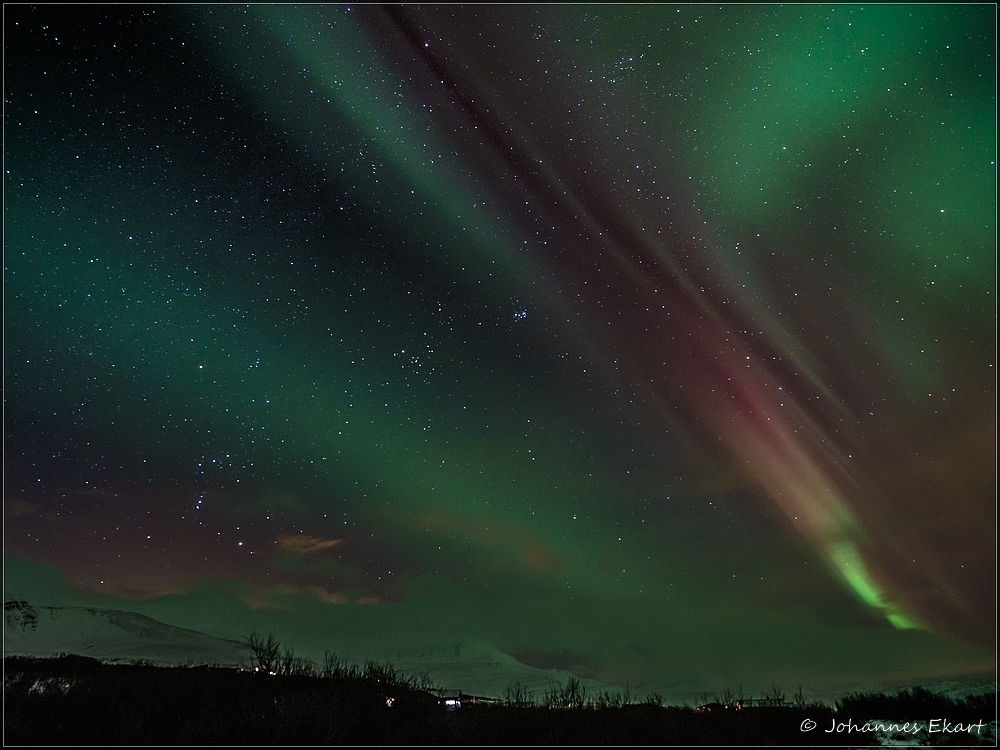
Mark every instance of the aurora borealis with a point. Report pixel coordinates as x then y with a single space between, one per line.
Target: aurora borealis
653 342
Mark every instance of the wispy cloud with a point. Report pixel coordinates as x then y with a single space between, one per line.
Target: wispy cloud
288 596
303 544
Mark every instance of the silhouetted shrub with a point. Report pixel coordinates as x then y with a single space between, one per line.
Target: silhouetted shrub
516 695
914 704
654 699
571 695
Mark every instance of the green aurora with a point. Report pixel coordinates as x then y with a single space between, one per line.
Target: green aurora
656 343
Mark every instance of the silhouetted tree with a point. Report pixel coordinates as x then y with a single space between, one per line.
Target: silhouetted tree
773 696
265 650
572 695
516 695
656 699
799 698
614 698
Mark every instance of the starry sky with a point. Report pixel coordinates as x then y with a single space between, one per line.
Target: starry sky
657 343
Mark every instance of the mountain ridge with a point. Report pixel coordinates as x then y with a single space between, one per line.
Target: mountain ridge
112 635
117 635
474 667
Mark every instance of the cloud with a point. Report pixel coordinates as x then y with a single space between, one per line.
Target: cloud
303 544
291 597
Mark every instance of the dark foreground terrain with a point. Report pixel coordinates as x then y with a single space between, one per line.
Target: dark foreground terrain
80 701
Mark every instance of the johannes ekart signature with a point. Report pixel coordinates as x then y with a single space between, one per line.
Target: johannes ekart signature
910 727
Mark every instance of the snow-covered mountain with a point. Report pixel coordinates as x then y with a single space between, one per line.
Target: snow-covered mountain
481 669
111 635
472 667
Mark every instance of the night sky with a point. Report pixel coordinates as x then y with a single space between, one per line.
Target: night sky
653 342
